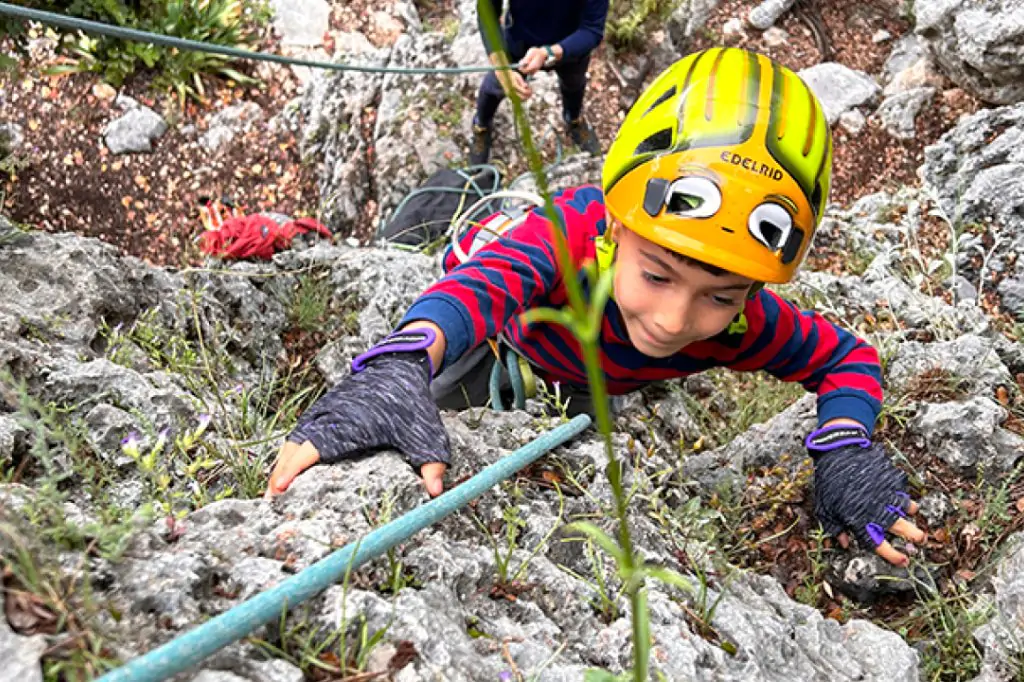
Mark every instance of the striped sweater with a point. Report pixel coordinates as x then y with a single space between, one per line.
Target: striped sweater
483 297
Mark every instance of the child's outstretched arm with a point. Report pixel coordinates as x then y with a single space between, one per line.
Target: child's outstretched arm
857 488
386 401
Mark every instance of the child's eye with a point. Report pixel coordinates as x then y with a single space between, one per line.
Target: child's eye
655 279
723 300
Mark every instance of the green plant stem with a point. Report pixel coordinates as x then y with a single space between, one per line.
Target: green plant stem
586 327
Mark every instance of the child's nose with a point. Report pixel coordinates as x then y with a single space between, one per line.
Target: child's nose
673 320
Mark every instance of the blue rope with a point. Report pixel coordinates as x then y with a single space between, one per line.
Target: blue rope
88 26
195 645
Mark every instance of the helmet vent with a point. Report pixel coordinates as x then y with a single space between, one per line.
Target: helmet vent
657 142
665 96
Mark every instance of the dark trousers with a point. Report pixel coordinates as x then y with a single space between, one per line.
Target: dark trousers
572 80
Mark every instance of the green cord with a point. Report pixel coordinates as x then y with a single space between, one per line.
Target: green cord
79 24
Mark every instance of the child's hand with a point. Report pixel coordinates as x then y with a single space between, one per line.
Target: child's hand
857 489
293 459
386 402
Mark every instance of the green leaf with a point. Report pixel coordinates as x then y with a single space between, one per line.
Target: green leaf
598 675
602 539
237 77
551 315
669 577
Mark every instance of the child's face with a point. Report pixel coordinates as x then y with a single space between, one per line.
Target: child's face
668 303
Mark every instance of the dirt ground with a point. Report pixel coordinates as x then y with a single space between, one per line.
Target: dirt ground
67 179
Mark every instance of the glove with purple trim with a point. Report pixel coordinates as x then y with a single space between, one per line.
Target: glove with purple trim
856 486
385 402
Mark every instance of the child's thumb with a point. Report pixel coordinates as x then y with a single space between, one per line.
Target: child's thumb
291 461
433 473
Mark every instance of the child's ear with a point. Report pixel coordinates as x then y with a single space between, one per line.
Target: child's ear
613 232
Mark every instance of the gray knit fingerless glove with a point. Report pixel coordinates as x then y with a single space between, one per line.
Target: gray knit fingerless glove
384 403
856 486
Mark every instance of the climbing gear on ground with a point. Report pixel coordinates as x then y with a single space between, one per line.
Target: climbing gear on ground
385 402
480 152
255 236
725 158
213 211
583 136
426 214
856 486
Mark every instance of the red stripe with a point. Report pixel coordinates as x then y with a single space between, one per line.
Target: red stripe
852 380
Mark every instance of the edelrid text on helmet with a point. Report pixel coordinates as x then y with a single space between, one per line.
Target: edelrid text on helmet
726 158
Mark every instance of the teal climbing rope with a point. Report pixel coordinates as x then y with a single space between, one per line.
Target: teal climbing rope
124 33
189 649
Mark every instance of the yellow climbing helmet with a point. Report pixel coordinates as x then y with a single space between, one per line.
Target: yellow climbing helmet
725 158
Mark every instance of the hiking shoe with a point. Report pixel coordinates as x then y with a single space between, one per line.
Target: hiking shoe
480 152
583 136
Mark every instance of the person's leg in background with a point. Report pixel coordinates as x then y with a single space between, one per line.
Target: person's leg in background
572 80
487 101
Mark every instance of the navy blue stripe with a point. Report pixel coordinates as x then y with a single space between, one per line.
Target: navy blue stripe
796 353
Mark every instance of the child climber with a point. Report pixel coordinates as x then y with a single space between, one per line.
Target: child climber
714 185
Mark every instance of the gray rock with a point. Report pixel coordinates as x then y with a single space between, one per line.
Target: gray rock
274 670
218 676
775 37
966 435
228 123
899 112
12 137
21 655
839 88
866 577
935 507
852 121
135 131
688 17
768 12
973 171
332 108
970 358
301 23
965 291
12 438
978 43
1002 636
1011 292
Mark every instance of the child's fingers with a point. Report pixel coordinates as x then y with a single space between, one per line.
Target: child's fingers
433 475
291 461
890 554
912 507
908 531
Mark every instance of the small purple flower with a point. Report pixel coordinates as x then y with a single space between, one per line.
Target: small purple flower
204 421
505 676
130 444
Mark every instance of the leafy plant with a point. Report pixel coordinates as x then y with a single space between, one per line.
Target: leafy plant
629 23
221 22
